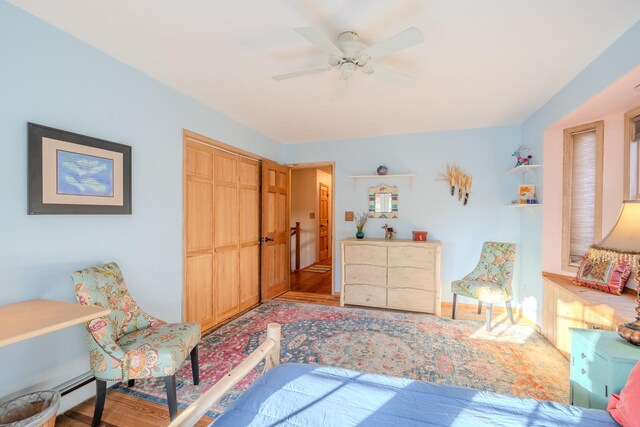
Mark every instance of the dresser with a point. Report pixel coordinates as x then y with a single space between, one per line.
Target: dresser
600 365
398 274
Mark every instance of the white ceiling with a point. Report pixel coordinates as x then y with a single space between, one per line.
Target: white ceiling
484 63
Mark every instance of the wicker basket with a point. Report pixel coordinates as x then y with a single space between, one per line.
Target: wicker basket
30 410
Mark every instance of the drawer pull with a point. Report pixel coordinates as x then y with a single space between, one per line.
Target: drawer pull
582 371
584 356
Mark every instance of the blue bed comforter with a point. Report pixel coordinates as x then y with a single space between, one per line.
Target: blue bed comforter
309 395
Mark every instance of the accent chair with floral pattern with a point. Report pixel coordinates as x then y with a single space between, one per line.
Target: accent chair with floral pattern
129 344
490 281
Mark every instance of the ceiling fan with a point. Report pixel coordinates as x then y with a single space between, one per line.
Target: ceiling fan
349 55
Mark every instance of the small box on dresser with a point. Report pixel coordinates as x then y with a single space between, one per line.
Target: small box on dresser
600 365
398 274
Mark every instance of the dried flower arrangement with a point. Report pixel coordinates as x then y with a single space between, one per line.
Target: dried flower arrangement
457 178
361 219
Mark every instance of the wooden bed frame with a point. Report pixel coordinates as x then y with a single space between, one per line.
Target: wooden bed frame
268 350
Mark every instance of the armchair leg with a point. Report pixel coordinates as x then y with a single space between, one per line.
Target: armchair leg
455 302
487 319
195 368
172 400
101 394
479 307
131 383
510 312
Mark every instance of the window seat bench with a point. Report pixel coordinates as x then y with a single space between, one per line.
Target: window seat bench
570 306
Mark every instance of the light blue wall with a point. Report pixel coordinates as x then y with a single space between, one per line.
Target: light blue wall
51 78
620 58
483 153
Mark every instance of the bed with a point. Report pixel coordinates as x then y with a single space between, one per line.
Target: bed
310 395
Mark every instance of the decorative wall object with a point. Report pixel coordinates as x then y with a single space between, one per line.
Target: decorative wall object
522 156
383 202
527 194
348 216
457 178
382 170
77 174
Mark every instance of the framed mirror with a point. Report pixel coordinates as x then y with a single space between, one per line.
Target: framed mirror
383 202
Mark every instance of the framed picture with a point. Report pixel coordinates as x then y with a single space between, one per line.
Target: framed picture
77 174
527 194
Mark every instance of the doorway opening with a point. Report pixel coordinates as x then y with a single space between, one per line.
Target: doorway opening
312 228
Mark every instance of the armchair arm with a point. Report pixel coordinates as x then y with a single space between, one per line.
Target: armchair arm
106 358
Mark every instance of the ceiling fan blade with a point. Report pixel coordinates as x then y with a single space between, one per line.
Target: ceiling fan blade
339 90
392 76
301 73
409 37
318 39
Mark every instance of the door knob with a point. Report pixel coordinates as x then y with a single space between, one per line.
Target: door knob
266 239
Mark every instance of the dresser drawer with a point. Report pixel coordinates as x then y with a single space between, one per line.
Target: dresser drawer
365 295
407 277
411 256
411 299
365 254
365 275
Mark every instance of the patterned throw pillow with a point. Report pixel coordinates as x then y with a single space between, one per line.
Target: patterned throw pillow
604 275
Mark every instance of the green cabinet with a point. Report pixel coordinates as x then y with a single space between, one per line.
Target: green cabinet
600 364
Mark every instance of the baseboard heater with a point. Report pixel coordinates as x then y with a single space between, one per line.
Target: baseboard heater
75 383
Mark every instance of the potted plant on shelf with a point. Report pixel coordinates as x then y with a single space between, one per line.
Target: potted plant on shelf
361 220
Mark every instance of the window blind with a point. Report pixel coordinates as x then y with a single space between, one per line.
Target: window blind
583 194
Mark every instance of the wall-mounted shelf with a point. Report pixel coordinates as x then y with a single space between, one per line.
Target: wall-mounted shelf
524 205
400 175
523 169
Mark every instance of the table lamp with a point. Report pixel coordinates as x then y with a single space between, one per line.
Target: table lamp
623 241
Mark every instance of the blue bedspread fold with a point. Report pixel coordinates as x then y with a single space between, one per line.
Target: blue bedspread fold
310 395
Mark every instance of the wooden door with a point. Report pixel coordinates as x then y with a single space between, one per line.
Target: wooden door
275 230
249 201
198 235
226 235
323 232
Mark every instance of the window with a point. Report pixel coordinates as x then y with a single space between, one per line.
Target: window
632 155
582 192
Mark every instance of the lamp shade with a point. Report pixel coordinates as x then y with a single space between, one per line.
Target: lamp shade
625 234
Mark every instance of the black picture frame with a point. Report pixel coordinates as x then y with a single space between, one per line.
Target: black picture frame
37 205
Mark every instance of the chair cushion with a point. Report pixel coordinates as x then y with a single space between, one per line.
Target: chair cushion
159 350
488 292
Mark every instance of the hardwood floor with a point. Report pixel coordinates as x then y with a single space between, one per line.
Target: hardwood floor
121 410
314 282
323 299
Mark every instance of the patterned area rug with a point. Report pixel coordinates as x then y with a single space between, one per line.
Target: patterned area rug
511 359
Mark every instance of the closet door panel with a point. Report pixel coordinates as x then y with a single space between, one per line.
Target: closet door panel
249 212
226 216
226 284
249 276
199 297
199 215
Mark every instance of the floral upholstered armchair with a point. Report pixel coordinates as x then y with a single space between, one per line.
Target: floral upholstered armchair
129 344
490 282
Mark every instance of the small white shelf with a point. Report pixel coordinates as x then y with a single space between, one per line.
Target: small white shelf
382 177
522 169
524 205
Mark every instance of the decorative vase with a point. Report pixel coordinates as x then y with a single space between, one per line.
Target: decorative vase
360 233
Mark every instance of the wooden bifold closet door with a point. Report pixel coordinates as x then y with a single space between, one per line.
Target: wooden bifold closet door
221 214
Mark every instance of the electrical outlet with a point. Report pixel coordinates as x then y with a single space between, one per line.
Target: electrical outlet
312 215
